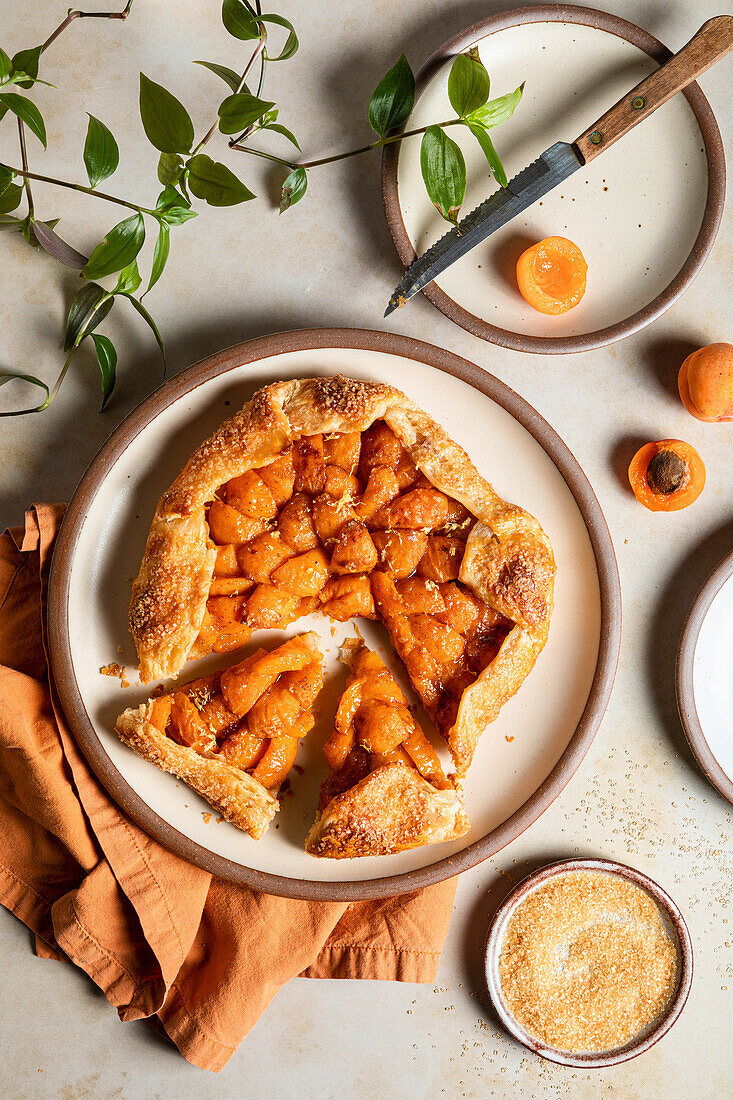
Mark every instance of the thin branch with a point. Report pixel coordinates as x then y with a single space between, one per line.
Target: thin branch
378 144
266 156
24 158
80 187
259 49
59 380
72 15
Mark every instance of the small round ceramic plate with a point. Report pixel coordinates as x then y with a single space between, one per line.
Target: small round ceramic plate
525 758
704 677
676 929
644 214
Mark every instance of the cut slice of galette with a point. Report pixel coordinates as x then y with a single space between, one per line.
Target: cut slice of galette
233 736
387 791
343 497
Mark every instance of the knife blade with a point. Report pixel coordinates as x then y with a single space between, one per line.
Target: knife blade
551 168
712 42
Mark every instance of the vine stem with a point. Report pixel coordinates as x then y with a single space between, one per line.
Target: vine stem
80 187
59 380
24 158
259 49
72 15
378 144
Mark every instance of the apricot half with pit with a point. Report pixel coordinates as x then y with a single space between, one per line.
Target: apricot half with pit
706 383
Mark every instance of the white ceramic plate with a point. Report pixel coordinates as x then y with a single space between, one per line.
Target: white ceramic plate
101 548
705 678
636 212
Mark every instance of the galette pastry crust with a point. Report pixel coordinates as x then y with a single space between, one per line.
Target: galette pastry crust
507 563
387 791
390 810
233 792
249 695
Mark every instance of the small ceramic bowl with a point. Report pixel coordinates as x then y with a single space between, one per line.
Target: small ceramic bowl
645 1039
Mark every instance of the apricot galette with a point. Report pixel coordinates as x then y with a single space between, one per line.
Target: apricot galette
387 790
233 736
342 496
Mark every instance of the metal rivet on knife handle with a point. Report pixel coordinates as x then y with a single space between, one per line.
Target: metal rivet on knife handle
713 41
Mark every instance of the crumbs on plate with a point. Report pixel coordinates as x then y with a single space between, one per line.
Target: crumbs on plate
115 669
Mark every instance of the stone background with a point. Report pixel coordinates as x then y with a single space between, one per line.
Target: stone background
638 797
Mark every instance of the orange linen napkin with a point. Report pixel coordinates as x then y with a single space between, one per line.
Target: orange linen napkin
198 956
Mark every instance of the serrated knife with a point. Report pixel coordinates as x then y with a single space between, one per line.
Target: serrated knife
713 41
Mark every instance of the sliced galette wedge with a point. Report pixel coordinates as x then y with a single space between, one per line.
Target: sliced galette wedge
233 736
387 791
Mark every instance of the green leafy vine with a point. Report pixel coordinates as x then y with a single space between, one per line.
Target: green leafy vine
184 170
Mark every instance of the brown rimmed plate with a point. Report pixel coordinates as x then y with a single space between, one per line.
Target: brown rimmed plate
528 755
676 928
703 677
645 214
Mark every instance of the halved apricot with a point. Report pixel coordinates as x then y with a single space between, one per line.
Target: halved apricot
551 275
706 383
667 475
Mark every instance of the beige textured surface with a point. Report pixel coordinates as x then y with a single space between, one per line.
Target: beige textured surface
638 797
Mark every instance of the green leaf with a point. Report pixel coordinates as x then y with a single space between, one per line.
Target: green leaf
293 189
26 61
107 359
170 167
177 215
118 249
89 308
162 248
291 42
497 110
227 75
146 316
278 128
165 120
101 154
238 20
214 183
6 65
5 377
55 246
128 280
10 198
492 157
172 207
239 111
468 85
393 98
6 178
444 172
27 112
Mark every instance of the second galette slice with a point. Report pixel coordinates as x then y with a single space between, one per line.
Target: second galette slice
387 791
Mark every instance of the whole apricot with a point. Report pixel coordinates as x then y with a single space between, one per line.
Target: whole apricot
706 383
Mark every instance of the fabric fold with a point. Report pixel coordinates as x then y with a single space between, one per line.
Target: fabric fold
198 957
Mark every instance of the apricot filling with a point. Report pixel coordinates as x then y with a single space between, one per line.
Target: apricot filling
251 715
374 727
667 475
347 525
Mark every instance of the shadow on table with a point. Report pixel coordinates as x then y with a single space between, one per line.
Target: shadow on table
666 622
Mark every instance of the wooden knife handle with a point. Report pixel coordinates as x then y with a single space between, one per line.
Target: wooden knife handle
713 41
